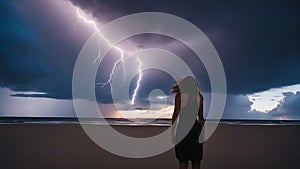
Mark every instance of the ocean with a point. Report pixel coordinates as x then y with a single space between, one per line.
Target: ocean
133 122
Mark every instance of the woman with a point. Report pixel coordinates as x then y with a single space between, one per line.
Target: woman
186 127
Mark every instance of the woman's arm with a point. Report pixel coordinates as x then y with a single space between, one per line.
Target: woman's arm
176 108
200 112
175 116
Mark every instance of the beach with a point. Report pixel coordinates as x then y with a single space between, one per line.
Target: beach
66 146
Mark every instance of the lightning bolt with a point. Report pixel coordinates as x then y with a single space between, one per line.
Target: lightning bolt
82 17
138 82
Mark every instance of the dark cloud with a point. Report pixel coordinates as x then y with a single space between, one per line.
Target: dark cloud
289 107
37 49
258 42
42 95
239 107
20 64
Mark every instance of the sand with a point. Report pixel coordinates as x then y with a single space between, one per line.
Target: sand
66 146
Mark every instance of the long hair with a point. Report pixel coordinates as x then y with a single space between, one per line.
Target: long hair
187 84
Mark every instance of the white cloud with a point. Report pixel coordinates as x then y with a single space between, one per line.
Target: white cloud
288 108
239 107
267 100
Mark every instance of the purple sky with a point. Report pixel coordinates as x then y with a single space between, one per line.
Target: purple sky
258 43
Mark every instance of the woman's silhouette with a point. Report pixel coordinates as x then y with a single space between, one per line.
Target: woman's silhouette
186 127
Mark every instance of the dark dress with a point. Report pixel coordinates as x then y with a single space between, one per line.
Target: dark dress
189 148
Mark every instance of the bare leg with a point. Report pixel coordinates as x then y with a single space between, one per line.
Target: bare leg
183 164
195 164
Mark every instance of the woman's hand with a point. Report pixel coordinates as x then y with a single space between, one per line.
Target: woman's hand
173 140
202 136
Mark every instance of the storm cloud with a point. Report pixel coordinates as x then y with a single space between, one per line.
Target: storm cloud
20 64
289 107
258 43
37 53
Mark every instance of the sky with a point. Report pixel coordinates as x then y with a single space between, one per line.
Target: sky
257 41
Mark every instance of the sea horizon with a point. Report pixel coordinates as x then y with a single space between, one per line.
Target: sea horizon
134 121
